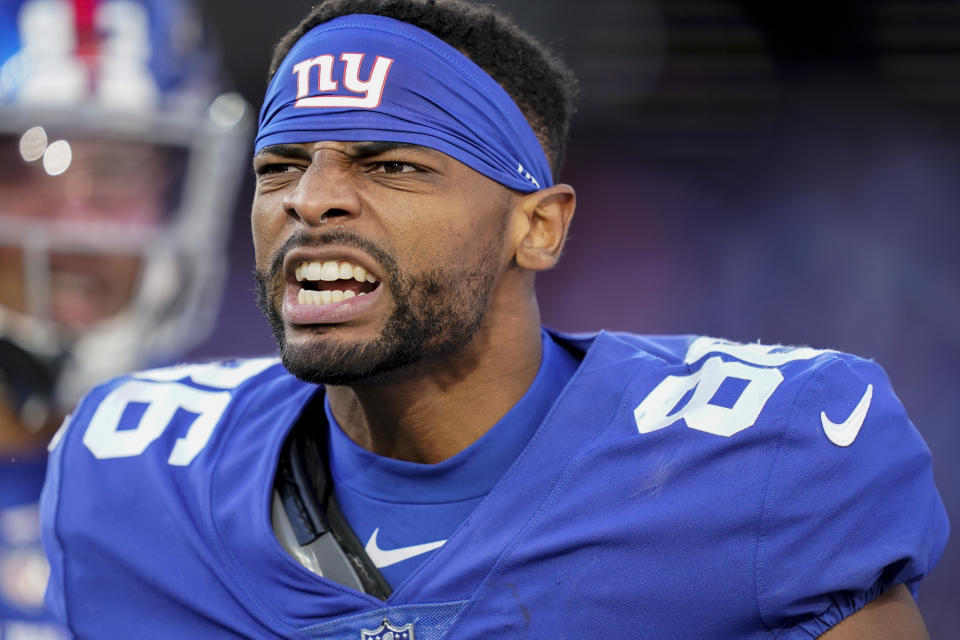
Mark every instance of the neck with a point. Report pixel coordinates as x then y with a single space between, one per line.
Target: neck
433 411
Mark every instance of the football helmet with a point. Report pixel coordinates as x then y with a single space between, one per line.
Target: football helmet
120 161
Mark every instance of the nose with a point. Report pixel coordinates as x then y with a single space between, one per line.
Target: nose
326 191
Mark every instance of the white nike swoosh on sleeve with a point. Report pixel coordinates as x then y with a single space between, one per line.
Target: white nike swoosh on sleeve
844 433
385 557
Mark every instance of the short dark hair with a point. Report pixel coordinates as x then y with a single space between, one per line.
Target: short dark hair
543 87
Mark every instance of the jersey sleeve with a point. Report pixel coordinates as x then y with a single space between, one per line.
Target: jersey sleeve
55 599
851 508
124 502
50 498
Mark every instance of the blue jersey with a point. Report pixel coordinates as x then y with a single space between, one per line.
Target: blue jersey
405 510
678 488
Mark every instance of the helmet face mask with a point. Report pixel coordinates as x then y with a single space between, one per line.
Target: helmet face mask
114 207
90 209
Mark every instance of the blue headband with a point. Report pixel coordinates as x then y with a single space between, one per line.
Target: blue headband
371 78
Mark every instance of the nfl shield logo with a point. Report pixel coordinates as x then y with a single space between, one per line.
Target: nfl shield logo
387 631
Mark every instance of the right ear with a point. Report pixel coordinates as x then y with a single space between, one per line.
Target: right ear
546 215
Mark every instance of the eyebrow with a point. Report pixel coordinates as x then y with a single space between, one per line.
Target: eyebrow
374 148
286 151
358 149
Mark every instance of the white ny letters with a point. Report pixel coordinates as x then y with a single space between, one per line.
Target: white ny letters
369 92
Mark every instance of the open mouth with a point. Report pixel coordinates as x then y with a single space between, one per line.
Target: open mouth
332 281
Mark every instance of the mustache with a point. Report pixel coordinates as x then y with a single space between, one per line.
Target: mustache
340 237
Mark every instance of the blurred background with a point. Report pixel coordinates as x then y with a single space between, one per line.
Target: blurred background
775 171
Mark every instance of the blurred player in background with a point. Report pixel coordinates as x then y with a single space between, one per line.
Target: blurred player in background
113 220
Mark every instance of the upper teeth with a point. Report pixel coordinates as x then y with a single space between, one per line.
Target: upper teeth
332 270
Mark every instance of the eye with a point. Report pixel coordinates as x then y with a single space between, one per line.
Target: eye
272 168
394 167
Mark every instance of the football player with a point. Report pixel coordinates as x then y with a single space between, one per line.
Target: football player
426 460
112 217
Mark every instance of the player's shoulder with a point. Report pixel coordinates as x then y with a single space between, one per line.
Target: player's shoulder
692 349
693 352
815 392
122 417
230 373
723 387
239 376
801 374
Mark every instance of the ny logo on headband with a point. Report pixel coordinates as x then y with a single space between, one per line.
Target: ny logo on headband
369 91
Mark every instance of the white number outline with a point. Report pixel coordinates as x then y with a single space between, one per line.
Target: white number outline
758 367
105 439
164 393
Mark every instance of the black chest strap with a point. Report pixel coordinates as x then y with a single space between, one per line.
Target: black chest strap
303 488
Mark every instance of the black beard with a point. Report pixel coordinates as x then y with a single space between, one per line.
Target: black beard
437 313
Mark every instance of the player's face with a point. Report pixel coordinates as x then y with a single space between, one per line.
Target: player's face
374 256
55 258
